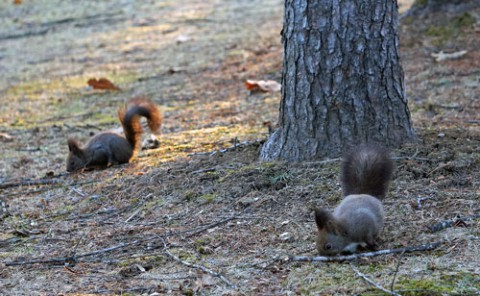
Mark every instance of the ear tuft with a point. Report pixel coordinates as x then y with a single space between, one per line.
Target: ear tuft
323 219
73 147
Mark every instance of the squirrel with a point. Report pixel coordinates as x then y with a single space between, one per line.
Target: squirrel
110 148
358 219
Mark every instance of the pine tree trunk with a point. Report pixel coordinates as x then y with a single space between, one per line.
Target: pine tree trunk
342 79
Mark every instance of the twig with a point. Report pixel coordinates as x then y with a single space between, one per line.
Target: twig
233 147
30 183
449 223
439 167
410 158
426 247
371 282
79 192
106 250
210 226
204 171
54 261
139 290
202 268
396 271
324 161
139 209
72 259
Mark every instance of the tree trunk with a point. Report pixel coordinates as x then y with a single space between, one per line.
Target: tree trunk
342 80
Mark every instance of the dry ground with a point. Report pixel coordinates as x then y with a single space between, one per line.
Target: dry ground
181 220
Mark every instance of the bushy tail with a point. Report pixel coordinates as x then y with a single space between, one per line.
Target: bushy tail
367 169
130 118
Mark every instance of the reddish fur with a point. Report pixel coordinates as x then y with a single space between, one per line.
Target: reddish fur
109 148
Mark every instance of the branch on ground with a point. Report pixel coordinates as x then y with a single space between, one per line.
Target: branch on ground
419 248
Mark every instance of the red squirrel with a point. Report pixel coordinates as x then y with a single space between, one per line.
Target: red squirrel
109 148
358 219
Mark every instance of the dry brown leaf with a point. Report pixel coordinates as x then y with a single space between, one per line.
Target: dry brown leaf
263 85
17 2
102 83
5 137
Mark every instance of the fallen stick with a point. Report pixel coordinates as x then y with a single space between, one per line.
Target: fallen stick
209 226
202 268
426 247
460 221
30 183
397 268
235 145
53 261
371 282
72 259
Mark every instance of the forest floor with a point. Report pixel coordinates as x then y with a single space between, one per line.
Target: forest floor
200 214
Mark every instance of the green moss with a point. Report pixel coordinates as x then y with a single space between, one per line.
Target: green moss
104 119
208 197
327 279
144 260
439 31
190 195
464 20
420 3
282 177
203 241
455 26
408 286
184 255
153 204
408 20
134 201
204 250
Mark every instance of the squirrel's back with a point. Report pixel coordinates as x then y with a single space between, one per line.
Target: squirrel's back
367 169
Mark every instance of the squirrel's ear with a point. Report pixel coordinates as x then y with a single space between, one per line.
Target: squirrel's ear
326 221
323 219
73 147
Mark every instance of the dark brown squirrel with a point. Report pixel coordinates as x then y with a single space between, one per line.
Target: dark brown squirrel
358 219
110 148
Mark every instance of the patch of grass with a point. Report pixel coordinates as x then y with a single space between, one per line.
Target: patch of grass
463 283
451 30
104 119
144 260
425 287
464 20
184 255
203 241
444 32
420 3
208 198
327 279
281 177
190 195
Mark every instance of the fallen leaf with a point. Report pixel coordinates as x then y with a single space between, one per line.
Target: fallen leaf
183 38
263 85
17 2
102 83
5 137
441 56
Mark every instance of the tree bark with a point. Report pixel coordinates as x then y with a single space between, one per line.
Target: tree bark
342 80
